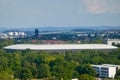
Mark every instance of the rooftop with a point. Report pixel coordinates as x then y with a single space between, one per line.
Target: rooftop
106 65
59 47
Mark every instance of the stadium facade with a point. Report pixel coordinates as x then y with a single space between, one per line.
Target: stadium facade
59 47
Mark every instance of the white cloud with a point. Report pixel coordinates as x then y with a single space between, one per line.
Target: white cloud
101 6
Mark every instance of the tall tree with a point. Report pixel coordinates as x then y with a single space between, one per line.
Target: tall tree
86 69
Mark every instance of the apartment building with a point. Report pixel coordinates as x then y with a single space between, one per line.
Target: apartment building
105 71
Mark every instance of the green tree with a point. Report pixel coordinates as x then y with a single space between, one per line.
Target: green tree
86 77
75 74
118 74
4 43
61 69
26 64
6 76
86 69
24 74
33 69
3 63
43 71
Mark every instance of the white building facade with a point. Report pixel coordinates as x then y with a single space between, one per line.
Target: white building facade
16 34
111 41
105 71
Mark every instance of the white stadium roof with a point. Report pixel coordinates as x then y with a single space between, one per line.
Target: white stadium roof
55 47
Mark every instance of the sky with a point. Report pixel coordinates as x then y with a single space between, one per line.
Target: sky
59 13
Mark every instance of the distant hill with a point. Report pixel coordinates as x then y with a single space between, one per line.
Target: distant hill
2 28
50 28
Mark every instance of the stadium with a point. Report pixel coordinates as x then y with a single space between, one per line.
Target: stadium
59 47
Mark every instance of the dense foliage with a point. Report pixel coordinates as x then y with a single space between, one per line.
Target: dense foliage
29 64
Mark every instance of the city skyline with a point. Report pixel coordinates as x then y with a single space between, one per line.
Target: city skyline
59 13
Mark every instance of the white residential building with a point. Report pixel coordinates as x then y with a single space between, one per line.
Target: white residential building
117 66
10 33
111 41
22 34
16 34
3 36
82 35
92 35
105 71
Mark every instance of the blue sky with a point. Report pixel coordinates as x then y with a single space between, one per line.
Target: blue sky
57 13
